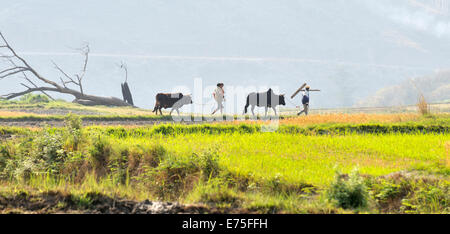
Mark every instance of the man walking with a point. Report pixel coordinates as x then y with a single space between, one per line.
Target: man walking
305 101
219 96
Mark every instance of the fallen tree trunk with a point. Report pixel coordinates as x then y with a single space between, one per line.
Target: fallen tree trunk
80 98
105 101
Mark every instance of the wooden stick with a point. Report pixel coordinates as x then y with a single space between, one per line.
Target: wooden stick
313 90
296 92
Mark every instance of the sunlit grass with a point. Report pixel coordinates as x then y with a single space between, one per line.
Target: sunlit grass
283 171
45 183
308 159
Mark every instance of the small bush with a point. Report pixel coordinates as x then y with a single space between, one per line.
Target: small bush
428 198
142 158
73 166
34 98
40 153
72 121
209 164
99 153
174 176
424 108
217 193
4 157
88 200
388 193
348 194
73 133
49 148
279 185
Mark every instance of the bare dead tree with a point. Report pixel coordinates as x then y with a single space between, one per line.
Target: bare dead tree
124 67
19 65
77 80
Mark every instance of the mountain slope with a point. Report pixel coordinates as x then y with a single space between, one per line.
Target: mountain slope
348 48
435 88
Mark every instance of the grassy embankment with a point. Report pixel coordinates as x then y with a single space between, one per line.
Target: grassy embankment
40 108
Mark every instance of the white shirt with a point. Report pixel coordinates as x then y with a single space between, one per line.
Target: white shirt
219 94
305 93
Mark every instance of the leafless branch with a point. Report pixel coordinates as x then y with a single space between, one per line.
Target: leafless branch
29 90
70 80
26 86
13 68
20 65
61 70
124 66
12 73
6 56
85 51
31 82
79 77
24 62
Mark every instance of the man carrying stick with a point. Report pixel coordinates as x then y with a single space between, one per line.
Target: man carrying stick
305 101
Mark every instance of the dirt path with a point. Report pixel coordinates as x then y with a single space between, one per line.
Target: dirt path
89 122
59 123
58 202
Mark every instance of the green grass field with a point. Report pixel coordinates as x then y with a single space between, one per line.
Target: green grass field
353 164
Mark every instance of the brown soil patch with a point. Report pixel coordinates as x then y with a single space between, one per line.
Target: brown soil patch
61 203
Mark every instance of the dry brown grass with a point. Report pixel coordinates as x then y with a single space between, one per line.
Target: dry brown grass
350 118
343 118
122 110
18 114
423 106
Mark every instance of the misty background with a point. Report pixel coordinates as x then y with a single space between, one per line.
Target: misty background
358 52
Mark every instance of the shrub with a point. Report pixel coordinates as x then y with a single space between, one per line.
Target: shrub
388 193
72 121
34 98
73 133
209 164
4 156
39 153
87 200
99 153
49 149
348 194
215 192
174 176
141 158
423 106
73 166
428 198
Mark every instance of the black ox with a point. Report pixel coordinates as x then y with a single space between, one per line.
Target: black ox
265 99
171 100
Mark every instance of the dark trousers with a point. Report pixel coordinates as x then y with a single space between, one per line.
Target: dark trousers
305 109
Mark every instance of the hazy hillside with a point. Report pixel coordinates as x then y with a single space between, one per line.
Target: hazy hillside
435 88
348 48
